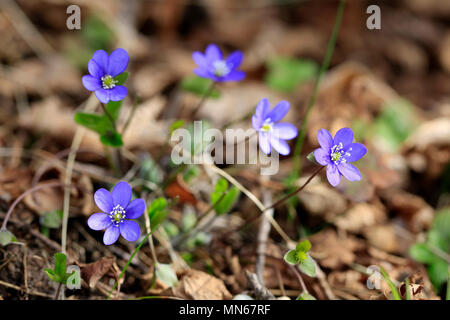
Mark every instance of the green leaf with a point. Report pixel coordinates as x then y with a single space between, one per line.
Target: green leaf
303 246
228 201
60 264
113 108
291 257
421 253
285 74
6 237
308 266
171 228
51 219
441 223
305 296
166 274
112 139
158 211
438 273
96 33
395 123
52 275
93 121
121 78
199 86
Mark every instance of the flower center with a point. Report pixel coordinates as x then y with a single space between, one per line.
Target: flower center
108 82
117 215
338 155
267 125
221 68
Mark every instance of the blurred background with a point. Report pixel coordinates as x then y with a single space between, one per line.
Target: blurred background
392 86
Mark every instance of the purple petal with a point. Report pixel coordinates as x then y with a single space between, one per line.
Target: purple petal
280 146
285 131
356 151
99 221
235 75
202 73
279 111
333 175
325 139
121 194
213 53
130 230
111 235
349 171
322 156
101 58
117 93
262 109
103 199
234 60
118 62
200 59
91 83
264 142
102 95
95 69
344 135
135 209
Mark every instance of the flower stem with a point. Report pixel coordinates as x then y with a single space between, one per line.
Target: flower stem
128 263
312 100
300 279
283 199
16 202
58 291
203 99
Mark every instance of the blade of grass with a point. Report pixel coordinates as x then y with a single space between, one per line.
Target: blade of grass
408 293
391 284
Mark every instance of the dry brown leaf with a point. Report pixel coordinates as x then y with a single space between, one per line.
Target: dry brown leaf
93 272
198 285
383 237
332 251
45 199
360 216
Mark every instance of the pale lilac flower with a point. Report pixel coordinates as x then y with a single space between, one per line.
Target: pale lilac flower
337 154
103 69
213 66
117 212
273 133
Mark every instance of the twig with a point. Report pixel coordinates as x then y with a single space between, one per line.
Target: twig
261 292
17 288
263 234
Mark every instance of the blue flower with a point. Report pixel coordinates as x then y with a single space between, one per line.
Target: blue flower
103 69
117 212
337 154
213 66
271 131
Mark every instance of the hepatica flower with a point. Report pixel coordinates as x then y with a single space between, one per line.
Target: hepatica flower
213 66
117 212
273 133
103 69
337 154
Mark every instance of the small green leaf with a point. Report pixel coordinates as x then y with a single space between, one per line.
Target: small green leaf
6 237
166 274
285 74
305 296
93 121
60 264
51 219
303 246
171 228
158 211
112 139
438 273
308 266
291 257
121 78
188 220
199 86
52 275
228 201
113 108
